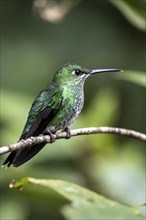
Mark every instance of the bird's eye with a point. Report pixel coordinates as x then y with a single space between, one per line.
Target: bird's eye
77 72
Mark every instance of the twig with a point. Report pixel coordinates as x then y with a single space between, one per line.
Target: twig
82 131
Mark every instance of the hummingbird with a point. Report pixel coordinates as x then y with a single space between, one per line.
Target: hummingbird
54 109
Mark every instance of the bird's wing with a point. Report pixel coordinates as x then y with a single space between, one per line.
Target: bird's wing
40 123
43 110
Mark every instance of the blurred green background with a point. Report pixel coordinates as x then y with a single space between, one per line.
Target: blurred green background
94 34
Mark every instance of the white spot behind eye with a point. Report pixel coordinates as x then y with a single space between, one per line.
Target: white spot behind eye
73 72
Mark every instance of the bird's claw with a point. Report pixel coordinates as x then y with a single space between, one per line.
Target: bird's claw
68 133
52 136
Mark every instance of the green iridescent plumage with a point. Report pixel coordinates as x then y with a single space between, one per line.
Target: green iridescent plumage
55 108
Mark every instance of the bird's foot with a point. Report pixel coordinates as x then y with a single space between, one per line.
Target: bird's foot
68 133
52 136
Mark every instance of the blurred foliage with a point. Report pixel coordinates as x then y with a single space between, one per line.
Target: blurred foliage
93 34
137 77
84 204
134 11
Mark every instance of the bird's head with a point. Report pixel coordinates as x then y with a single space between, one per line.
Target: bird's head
73 73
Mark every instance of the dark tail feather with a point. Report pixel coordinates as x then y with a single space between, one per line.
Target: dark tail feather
9 159
17 158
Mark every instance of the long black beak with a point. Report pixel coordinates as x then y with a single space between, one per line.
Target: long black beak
104 71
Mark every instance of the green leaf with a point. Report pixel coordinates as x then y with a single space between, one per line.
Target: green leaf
133 10
137 77
84 204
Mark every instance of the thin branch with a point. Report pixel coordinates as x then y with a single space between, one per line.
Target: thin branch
82 131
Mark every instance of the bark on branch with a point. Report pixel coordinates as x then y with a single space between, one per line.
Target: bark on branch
82 131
